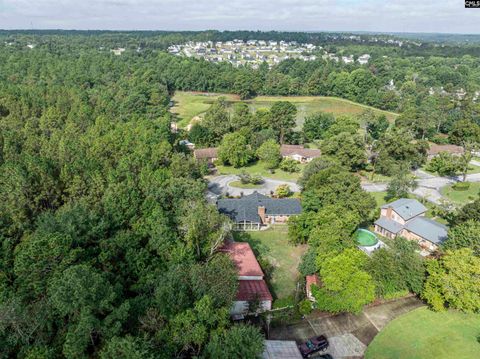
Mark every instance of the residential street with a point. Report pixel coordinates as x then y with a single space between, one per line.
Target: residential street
429 185
220 185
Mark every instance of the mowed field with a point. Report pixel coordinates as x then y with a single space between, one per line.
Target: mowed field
188 105
424 334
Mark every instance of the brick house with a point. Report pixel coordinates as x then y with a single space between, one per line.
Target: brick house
406 218
251 283
435 149
256 210
299 153
207 154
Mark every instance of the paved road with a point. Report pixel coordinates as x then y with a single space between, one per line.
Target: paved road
221 185
429 185
348 334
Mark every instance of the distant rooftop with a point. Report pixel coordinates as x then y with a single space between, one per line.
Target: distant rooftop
289 150
406 208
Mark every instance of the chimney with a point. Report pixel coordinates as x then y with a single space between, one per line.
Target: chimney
261 213
389 212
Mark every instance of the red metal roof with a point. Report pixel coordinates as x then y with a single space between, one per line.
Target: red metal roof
251 289
312 279
242 255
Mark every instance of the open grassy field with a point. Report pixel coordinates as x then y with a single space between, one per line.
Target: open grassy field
273 245
256 168
461 197
190 104
187 105
423 334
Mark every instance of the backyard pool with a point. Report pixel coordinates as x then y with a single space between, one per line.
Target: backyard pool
365 238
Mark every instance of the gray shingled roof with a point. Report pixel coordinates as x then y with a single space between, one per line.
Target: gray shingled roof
389 225
406 208
428 228
246 208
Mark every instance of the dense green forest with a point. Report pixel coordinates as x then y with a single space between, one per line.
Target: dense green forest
108 247
102 252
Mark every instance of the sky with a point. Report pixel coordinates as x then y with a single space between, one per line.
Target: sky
446 16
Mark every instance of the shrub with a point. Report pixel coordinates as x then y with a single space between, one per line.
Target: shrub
305 307
256 179
244 177
289 165
461 186
283 191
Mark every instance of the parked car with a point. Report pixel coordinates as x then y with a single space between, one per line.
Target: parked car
313 345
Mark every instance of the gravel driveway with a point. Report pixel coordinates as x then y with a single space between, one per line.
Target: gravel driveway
220 185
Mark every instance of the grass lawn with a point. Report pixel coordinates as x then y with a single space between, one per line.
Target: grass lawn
461 197
307 105
379 198
257 168
190 104
239 184
423 334
273 245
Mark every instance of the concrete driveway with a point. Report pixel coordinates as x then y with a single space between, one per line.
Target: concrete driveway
348 334
220 185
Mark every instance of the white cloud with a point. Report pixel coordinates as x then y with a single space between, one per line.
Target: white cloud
368 15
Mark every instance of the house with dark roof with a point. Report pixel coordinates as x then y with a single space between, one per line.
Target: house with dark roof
256 210
299 153
406 218
251 283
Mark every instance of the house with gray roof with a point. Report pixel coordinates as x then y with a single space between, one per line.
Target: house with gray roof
406 218
256 210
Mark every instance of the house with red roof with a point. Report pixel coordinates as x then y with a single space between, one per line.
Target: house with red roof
251 283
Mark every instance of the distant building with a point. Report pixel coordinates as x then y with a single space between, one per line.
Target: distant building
209 154
299 153
435 149
251 285
118 51
363 60
406 218
256 210
348 59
